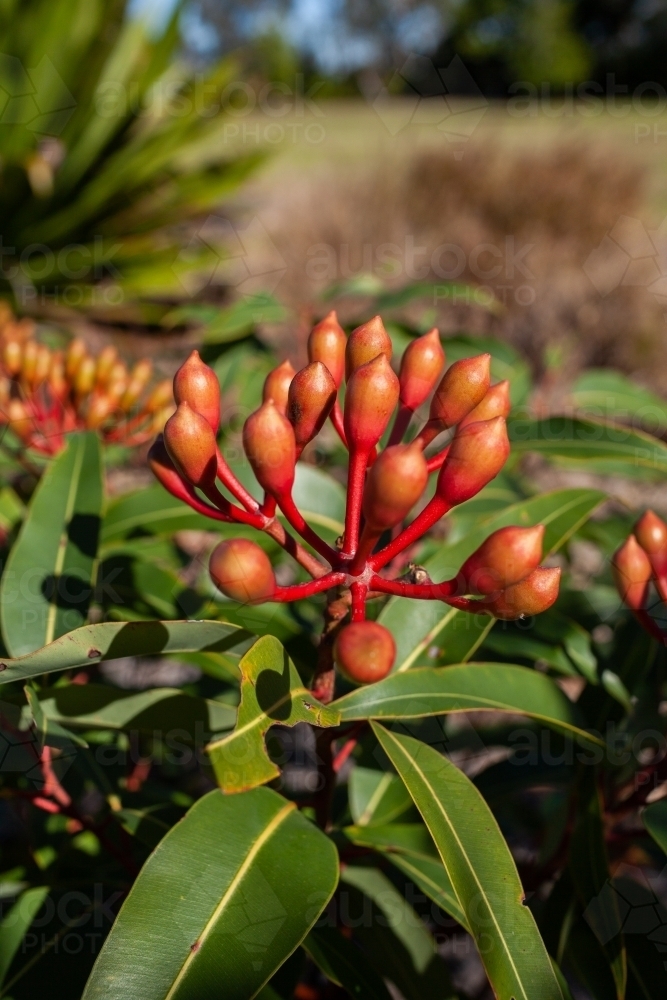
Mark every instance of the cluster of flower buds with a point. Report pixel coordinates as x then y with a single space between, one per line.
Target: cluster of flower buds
44 394
385 484
638 562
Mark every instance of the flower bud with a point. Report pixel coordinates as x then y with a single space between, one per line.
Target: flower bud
372 394
326 343
365 651
29 363
99 409
462 387
58 385
161 396
20 420
365 343
84 380
42 365
496 403
164 469
197 385
421 364
631 570
312 394
190 442
242 571
269 443
76 352
395 483
529 597
276 385
476 455
105 363
12 356
651 533
506 557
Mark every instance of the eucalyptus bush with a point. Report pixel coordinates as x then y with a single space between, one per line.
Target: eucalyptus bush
279 822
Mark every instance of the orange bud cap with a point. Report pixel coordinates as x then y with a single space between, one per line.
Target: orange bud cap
99 409
269 443
29 364
105 363
506 557
161 396
365 651
529 597
197 385
496 403
326 343
312 394
84 380
276 385
463 386
12 356
365 343
242 571
190 442
20 420
395 482
476 455
372 395
631 570
651 533
76 352
421 364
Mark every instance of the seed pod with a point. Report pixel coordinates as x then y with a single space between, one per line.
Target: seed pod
395 483
496 403
365 343
99 409
276 385
12 357
269 443
197 385
529 597
477 454
84 380
105 364
76 352
372 394
651 533
312 394
631 570
463 386
242 571
29 363
365 651
421 364
190 442
326 343
506 557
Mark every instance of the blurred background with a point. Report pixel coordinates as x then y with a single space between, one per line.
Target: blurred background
172 171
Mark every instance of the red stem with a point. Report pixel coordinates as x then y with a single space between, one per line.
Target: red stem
403 418
255 520
336 417
355 491
429 431
295 518
358 591
228 479
431 513
646 622
367 542
437 461
299 591
418 591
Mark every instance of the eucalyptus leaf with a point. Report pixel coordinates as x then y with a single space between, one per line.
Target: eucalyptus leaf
16 923
343 963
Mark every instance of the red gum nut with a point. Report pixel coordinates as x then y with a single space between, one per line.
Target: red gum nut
326 343
269 443
276 385
365 651
631 570
421 364
371 397
197 385
311 396
463 387
506 557
529 597
242 571
651 533
395 483
476 455
190 442
496 403
365 343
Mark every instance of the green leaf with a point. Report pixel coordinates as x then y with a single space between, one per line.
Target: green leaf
608 394
410 847
223 900
320 498
153 510
589 868
454 636
654 818
343 963
47 584
15 924
239 319
580 440
165 710
493 687
112 640
376 796
480 867
271 692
